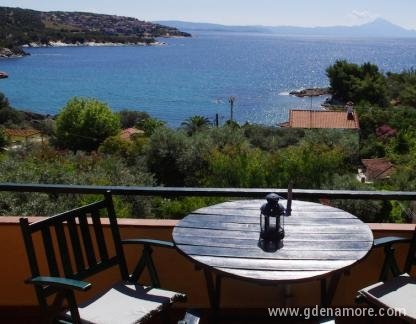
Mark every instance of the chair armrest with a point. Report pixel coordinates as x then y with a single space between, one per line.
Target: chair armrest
59 283
146 259
390 265
390 240
166 244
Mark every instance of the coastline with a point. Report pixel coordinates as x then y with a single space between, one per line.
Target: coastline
12 53
89 44
6 53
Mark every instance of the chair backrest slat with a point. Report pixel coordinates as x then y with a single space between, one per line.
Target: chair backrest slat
63 249
102 247
86 237
30 249
73 247
116 237
76 244
50 252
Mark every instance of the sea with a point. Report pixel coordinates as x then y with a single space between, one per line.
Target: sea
195 76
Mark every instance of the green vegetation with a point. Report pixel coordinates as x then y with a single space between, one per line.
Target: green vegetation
22 26
194 124
83 124
8 115
3 139
366 84
198 154
150 125
351 82
130 118
46 165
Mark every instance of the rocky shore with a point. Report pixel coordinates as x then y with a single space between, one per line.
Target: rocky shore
12 52
311 92
19 52
92 44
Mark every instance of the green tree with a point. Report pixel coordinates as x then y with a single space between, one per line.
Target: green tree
272 138
352 82
162 154
131 118
306 165
8 115
238 166
83 124
408 95
3 139
150 125
4 102
402 87
194 124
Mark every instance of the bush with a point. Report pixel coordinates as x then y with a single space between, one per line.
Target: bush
83 124
47 166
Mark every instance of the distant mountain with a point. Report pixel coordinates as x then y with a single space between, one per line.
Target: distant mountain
376 28
192 26
29 27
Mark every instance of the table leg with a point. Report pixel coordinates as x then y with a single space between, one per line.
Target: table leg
328 291
288 295
214 289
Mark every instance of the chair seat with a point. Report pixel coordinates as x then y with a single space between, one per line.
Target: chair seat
126 304
398 293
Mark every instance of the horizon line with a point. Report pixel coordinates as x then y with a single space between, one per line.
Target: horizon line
277 26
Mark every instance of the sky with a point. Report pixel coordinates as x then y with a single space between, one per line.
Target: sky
308 13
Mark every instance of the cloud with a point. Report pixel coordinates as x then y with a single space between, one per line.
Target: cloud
362 15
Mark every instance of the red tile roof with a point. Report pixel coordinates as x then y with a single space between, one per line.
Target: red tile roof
377 168
21 132
322 119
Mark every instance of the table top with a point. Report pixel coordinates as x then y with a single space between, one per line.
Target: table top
318 240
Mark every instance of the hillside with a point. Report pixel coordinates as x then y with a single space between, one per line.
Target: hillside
376 28
20 27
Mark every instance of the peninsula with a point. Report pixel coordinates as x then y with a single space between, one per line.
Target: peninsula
29 28
311 92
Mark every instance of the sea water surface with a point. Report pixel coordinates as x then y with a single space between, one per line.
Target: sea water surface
194 76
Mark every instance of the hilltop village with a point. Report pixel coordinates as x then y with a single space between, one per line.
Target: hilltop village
24 28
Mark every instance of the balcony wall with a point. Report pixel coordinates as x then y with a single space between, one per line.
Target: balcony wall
178 273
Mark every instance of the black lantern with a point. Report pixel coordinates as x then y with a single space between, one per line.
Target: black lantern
272 223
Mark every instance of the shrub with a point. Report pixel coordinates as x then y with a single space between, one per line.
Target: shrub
83 124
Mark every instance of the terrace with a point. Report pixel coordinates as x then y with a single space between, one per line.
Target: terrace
18 302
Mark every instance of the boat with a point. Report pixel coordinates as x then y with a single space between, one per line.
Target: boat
3 75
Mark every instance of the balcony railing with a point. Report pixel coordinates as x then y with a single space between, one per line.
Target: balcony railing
16 298
208 192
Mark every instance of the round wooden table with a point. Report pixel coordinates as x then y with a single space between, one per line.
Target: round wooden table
320 241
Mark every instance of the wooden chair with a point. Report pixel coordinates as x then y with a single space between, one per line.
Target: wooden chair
395 289
74 251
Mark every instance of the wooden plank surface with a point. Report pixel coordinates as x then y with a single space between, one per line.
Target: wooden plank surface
305 245
285 276
282 254
319 240
317 220
292 234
